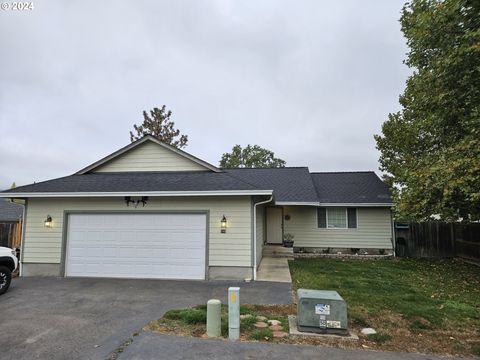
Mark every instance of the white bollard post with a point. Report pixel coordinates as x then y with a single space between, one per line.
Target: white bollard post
233 313
214 318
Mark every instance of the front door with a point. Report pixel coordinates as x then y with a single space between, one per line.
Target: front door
274 225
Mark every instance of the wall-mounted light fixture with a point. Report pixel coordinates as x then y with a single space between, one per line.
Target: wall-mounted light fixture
223 225
48 221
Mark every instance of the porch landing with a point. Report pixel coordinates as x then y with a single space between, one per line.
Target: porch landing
274 269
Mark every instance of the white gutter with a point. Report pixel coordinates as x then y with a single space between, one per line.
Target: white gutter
293 203
133 193
255 234
357 204
22 239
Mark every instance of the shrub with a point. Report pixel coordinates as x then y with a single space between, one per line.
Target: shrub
261 334
188 316
247 323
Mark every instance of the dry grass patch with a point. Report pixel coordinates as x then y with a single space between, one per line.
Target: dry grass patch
192 322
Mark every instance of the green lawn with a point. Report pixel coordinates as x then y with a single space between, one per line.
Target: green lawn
437 302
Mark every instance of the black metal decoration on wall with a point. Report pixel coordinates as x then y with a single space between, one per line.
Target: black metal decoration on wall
129 200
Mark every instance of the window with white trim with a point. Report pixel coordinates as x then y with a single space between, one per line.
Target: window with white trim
337 218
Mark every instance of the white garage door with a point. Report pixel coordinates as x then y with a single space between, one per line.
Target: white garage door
167 246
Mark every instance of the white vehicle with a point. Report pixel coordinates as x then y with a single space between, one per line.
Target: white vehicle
8 264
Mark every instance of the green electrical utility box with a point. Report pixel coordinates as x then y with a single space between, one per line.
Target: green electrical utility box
321 311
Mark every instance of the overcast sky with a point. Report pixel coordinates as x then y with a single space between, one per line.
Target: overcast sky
311 80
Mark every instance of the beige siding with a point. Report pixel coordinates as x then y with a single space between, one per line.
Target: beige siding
373 229
260 231
149 157
44 245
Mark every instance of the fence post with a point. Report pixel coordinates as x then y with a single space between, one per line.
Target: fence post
453 239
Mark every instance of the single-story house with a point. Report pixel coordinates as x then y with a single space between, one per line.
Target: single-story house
150 210
10 223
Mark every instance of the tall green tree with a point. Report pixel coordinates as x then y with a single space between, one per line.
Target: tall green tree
157 123
430 150
252 156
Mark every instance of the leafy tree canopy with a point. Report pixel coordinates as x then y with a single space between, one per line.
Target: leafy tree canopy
157 123
430 150
252 156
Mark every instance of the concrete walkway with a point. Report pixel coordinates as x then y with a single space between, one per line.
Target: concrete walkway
157 346
274 269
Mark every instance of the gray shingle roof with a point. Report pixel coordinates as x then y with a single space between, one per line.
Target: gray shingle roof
351 187
140 181
10 211
289 184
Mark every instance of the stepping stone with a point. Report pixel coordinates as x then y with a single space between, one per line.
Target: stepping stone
274 322
368 331
261 325
261 318
280 334
276 327
246 316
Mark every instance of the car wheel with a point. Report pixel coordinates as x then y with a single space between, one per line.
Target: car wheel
5 279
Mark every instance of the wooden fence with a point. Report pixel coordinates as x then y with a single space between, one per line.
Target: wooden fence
11 234
437 240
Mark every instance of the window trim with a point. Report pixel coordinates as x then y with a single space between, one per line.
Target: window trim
356 218
346 217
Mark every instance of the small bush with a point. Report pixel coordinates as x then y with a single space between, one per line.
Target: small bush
192 316
380 338
224 326
174 314
247 323
188 316
261 334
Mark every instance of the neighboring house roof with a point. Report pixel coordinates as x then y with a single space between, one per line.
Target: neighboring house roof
289 184
10 211
351 188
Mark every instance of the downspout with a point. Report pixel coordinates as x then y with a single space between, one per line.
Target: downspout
255 234
22 239
394 235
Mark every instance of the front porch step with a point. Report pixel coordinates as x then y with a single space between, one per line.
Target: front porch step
277 251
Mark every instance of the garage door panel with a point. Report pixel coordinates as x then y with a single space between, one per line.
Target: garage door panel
137 245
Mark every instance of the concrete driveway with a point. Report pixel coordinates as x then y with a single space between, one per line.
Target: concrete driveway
68 318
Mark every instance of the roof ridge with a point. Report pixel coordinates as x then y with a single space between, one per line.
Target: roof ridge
151 172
